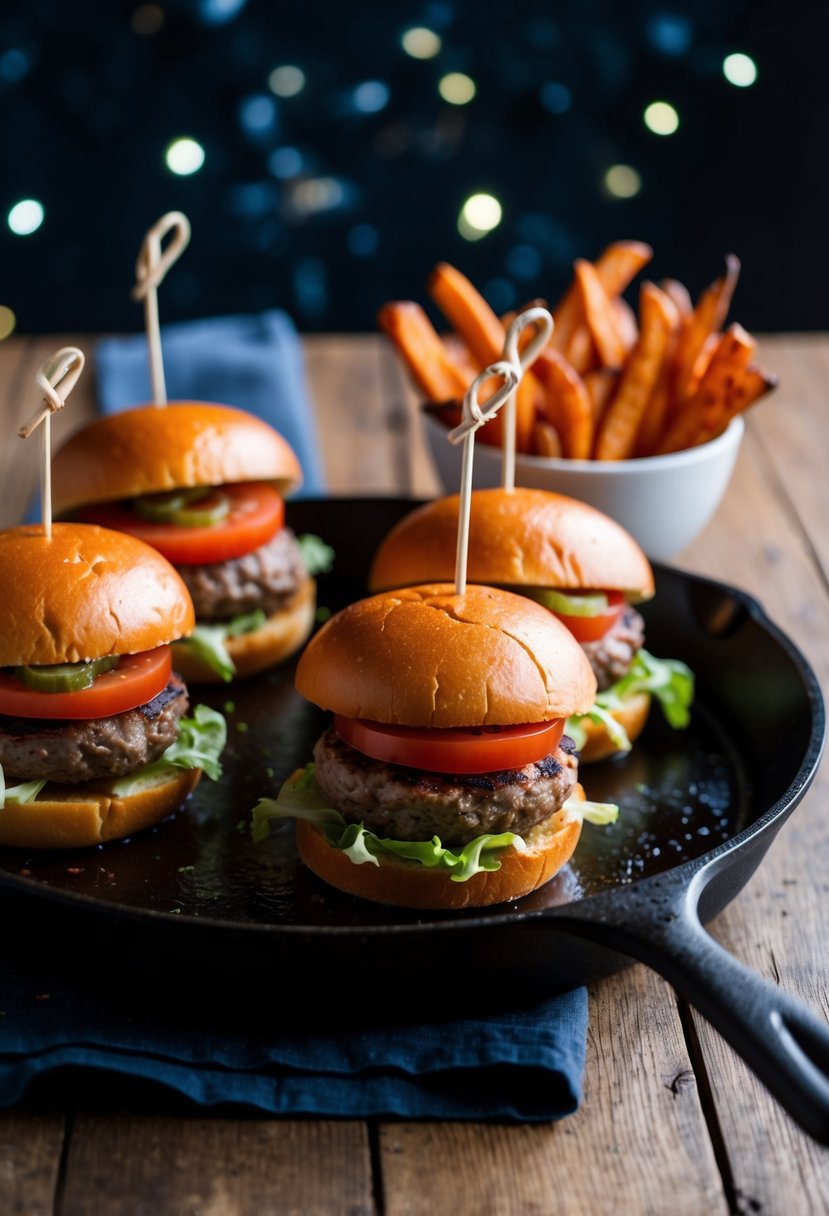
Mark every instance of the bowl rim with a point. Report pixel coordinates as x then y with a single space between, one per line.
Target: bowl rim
730 437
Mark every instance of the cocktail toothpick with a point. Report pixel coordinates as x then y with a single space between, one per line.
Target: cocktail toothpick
520 361
475 414
150 269
60 369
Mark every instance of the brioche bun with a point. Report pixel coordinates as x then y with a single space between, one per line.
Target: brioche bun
281 636
149 449
84 593
521 538
424 656
80 816
550 845
632 716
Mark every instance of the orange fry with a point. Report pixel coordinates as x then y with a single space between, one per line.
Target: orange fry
707 318
600 315
601 385
619 263
626 321
546 439
658 317
433 371
679 294
705 414
754 383
655 418
567 404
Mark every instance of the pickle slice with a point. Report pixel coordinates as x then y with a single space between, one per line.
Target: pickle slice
194 507
592 604
65 677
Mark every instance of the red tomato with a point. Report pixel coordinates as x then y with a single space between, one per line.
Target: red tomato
137 679
256 514
591 628
481 749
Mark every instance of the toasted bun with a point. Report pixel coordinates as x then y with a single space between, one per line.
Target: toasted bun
153 448
427 657
632 716
282 634
84 593
79 816
521 538
550 845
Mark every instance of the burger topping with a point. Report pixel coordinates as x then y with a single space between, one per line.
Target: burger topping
589 616
65 677
133 680
611 655
670 681
266 578
196 507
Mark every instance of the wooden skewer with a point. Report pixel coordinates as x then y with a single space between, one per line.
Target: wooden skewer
62 368
543 319
474 414
150 269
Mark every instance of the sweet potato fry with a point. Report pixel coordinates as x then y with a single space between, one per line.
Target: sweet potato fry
655 418
706 413
626 322
619 263
601 385
431 368
679 294
748 388
600 315
658 317
708 317
546 439
567 404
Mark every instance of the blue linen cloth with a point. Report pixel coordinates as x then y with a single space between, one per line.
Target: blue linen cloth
253 362
521 1065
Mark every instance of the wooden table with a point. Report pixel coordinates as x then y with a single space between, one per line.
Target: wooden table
671 1120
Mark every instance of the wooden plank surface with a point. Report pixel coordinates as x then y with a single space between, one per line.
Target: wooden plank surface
658 1131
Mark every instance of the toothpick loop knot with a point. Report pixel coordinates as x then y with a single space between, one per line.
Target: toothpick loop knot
61 369
475 413
152 264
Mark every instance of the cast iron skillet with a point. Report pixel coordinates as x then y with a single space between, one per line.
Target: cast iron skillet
194 899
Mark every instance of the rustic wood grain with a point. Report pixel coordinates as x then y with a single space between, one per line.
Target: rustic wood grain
121 1164
30 1151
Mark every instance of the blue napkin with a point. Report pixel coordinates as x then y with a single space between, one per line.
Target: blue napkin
524 1065
253 362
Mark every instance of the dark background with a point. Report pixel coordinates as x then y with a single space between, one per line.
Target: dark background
313 205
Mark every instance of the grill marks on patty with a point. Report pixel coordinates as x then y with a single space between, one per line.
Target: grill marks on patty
409 804
33 749
611 656
268 578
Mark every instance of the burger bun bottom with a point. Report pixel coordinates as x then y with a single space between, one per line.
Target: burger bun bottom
632 716
550 845
283 633
79 816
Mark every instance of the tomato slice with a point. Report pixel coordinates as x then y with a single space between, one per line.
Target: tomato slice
137 679
480 749
592 628
256 513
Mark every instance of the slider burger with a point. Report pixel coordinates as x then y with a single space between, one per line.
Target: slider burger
445 779
577 562
94 741
203 484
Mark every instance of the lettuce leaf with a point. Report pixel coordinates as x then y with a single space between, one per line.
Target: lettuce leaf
18 795
200 743
317 556
209 642
301 798
670 681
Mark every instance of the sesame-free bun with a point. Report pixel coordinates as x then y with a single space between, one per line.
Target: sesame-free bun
632 715
149 449
550 846
425 656
520 538
84 593
79 816
282 634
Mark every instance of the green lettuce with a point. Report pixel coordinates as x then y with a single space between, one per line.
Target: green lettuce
317 556
18 795
670 681
200 743
209 642
301 798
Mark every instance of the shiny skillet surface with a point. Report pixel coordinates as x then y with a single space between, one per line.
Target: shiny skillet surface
682 794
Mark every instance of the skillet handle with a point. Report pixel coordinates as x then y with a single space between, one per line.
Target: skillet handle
781 1040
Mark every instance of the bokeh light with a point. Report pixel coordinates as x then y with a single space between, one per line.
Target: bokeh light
285 162
219 12
362 240
669 33
257 115
287 80
555 97
479 215
661 118
25 217
457 88
14 65
7 322
421 43
739 70
184 156
622 181
370 97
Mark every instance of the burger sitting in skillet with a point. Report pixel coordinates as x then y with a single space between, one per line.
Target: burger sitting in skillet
583 567
95 742
445 779
204 484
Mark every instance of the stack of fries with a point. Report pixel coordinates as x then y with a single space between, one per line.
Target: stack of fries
610 385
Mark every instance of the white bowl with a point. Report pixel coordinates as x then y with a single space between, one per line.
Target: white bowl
663 501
